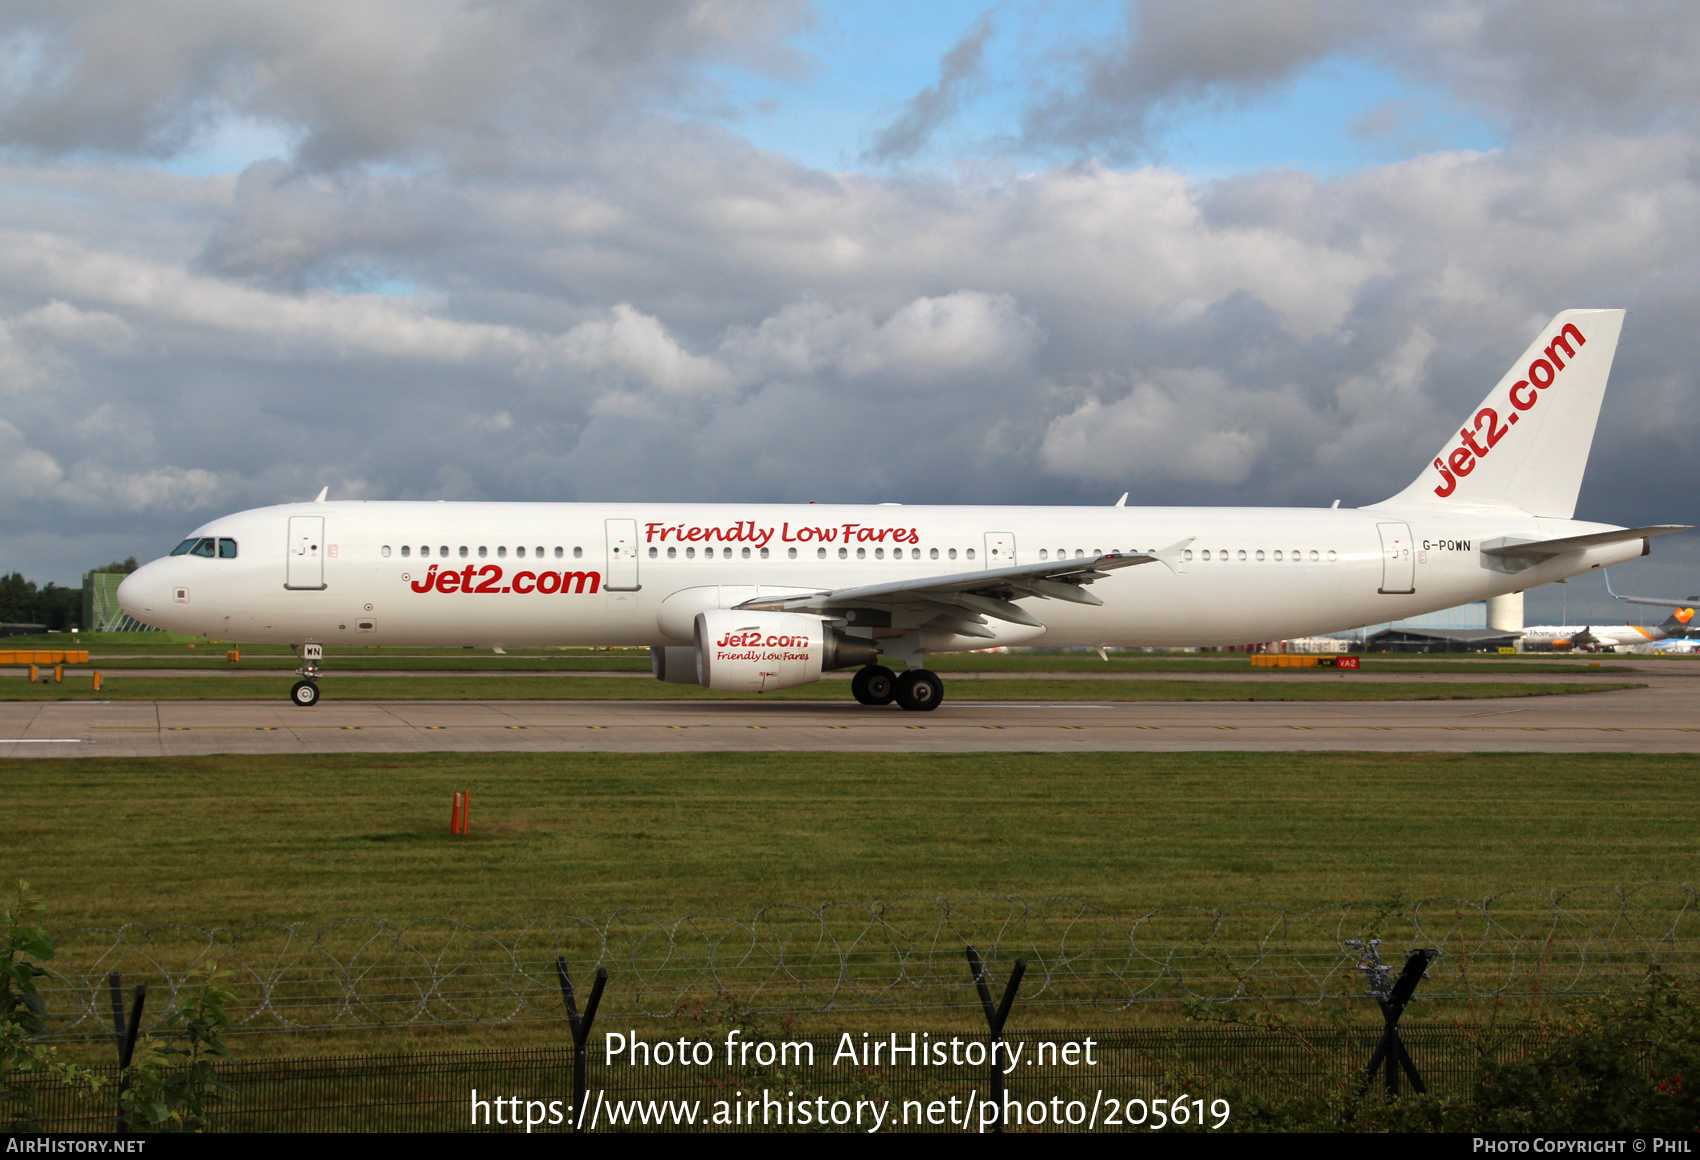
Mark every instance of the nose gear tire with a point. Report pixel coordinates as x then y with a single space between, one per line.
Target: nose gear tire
305 694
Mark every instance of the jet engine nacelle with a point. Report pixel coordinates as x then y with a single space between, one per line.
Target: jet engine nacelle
752 652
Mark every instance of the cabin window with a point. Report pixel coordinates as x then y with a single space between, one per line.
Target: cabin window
1331 556
558 551
653 553
914 553
406 551
1260 553
1206 554
745 553
227 549
879 553
502 553
1313 556
820 553
970 553
578 553
764 553
519 553
1186 554
539 551
1296 555
861 553
1043 554
385 552
482 551
932 553
953 553
690 553
790 553
844 553
672 553
1242 553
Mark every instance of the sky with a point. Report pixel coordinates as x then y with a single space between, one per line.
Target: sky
1211 252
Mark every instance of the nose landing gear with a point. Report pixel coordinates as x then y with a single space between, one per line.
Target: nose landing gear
306 691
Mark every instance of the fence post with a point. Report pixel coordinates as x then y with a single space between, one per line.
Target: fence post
581 1032
995 1017
126 1035
1390 1055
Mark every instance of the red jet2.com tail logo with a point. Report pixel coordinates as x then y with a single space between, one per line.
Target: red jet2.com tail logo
490 581
1543 372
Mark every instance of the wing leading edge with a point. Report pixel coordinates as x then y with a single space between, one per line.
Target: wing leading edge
960 602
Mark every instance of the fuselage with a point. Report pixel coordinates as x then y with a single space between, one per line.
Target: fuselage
542 574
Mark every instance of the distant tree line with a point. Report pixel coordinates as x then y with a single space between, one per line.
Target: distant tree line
21 602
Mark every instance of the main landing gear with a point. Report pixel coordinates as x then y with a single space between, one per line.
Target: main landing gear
306 691
917 690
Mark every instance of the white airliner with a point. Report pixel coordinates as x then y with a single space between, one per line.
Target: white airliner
752 598
1560 637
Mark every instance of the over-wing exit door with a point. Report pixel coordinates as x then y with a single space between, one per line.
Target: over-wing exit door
622 556
306 567
1000 549
1398 562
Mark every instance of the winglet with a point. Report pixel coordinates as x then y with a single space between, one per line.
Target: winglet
323 492
1122 502
1171 557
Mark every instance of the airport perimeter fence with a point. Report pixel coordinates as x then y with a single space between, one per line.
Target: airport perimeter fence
899 956
1210 1070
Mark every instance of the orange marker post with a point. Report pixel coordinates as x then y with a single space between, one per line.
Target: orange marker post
32 674
465 811
97 682
454 817
58 674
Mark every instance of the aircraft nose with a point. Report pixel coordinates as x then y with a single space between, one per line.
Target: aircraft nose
143 594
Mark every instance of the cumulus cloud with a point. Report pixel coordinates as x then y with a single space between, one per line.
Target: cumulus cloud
494 283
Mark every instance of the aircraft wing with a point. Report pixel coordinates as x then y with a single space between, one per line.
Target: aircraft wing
961 601
1660 601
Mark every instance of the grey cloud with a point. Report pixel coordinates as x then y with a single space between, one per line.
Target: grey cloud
1179 51
359 82
930 108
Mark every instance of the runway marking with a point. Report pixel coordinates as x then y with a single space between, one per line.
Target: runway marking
41 740
513 727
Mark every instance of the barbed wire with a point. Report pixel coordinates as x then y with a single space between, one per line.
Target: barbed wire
904 953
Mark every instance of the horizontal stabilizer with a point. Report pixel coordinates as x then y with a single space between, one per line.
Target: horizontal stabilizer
1536 550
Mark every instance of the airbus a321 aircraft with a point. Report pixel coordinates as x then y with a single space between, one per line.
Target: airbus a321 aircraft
753 598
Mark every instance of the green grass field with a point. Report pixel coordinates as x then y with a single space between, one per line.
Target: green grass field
234 840
79 686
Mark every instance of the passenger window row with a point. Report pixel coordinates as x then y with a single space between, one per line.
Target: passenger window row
464 552
1297 555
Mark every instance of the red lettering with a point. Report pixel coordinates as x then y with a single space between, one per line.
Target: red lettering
524 581
1559 341
1496 430
492 576
428 582
1535 369
1461 461
549 582
1451 484
1470 439
448 582
594 579
1520 402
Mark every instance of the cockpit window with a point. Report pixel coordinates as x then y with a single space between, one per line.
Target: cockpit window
203 547
183 548
226 549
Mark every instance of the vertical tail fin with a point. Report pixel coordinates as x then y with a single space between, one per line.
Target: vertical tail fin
1526 445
